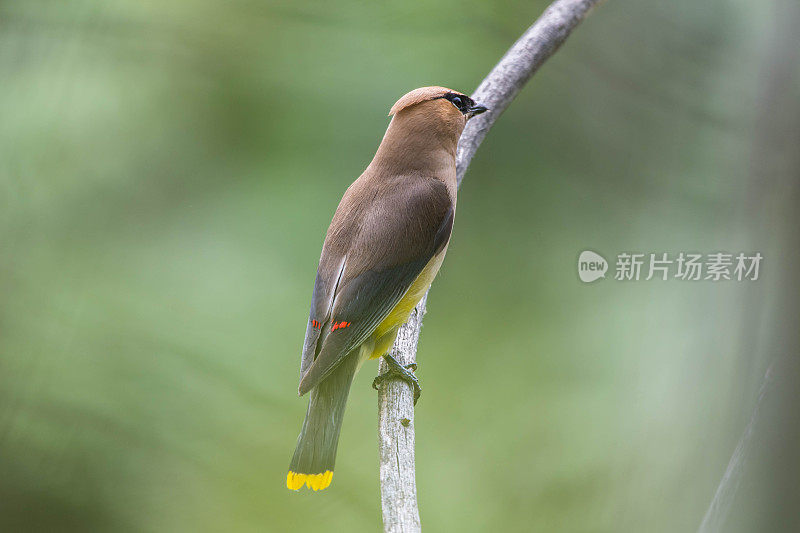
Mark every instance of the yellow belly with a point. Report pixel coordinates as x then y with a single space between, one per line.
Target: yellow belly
386 332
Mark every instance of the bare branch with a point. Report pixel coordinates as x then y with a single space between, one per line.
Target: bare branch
720 506
396 434
514 70
776 134
395 399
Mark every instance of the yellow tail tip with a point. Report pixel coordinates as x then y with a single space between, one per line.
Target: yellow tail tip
295 481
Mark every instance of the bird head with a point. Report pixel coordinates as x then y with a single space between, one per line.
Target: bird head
434 113
434 100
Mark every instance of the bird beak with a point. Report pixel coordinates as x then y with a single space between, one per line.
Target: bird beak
477 110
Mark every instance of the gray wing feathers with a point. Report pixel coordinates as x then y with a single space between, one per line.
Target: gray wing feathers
321 305
388 231
365 302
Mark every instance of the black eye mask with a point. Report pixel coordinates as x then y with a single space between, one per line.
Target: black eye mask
462 102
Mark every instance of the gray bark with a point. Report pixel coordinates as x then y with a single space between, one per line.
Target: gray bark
395 399
396 434
771 210
720 507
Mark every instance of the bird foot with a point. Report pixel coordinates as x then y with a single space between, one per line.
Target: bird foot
396 370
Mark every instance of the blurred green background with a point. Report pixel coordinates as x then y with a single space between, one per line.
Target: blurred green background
167 172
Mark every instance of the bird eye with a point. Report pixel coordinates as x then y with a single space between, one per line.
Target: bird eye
457 101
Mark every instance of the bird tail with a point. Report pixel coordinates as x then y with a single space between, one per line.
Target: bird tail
315 455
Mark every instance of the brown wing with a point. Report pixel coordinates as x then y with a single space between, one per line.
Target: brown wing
381 238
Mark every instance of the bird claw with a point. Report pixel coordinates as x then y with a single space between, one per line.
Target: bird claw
403 372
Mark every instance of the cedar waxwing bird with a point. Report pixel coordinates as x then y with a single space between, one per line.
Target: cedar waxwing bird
383 248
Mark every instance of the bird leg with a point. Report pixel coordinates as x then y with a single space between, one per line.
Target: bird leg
396 370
